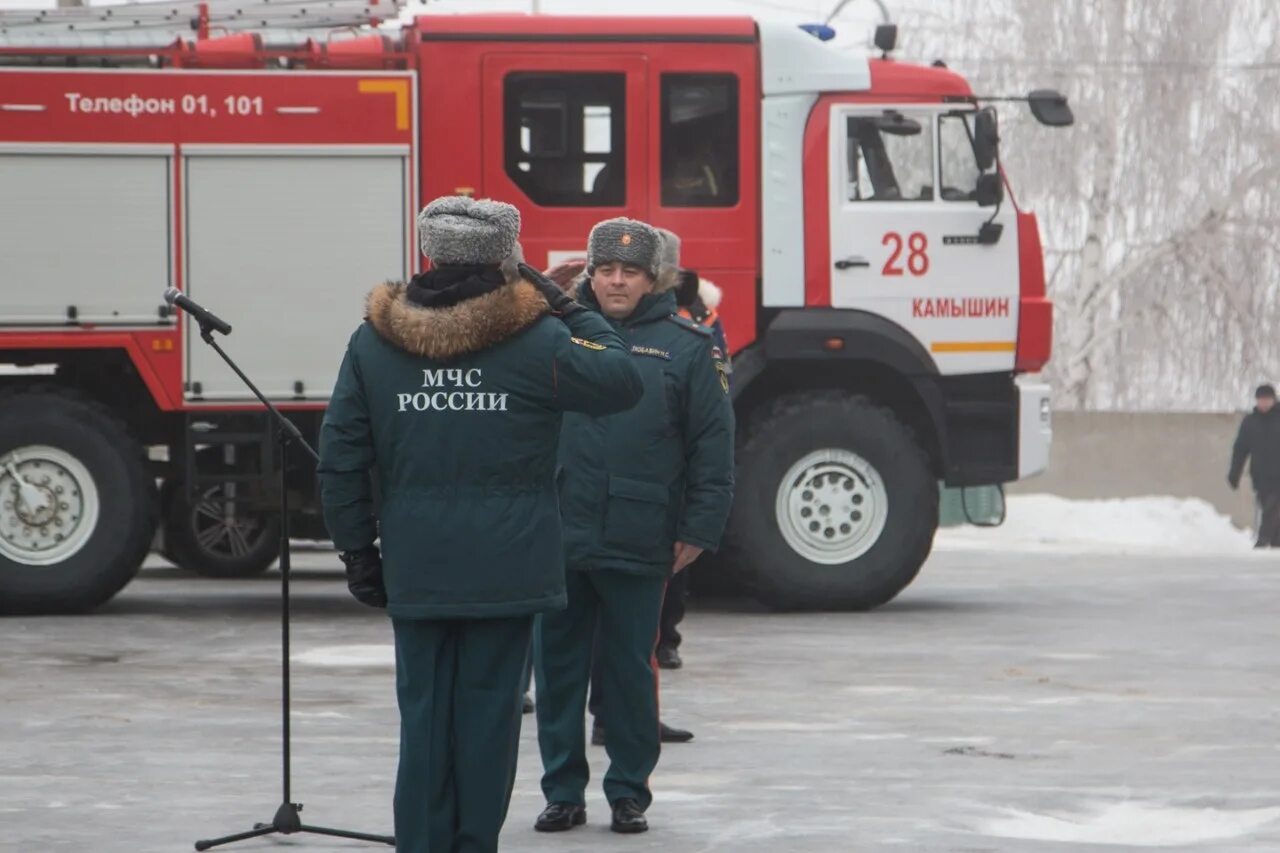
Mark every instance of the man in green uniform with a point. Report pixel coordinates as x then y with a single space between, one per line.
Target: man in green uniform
453 389
642 494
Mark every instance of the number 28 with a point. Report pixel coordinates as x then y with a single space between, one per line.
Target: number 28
917 245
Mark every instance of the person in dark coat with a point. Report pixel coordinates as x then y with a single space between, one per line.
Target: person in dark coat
642 494
697 299
453 390
677 587
1258 441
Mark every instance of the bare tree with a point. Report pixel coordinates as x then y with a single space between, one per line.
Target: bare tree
1159 207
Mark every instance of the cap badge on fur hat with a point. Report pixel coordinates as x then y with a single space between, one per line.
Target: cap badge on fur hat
625 240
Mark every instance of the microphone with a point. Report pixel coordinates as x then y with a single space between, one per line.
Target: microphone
206 319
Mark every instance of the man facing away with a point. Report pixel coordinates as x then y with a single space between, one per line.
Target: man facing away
1259 441
453 389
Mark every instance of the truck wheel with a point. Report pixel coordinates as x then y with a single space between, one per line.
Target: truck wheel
218 536
836 504
77 508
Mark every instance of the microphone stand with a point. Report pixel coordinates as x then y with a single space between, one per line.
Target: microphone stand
287 820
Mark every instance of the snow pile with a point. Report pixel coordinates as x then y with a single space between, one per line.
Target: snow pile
1188 525
1132 825
356 655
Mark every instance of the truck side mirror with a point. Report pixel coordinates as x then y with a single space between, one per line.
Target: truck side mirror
1050 108
990 190
894 123
886 37
986 138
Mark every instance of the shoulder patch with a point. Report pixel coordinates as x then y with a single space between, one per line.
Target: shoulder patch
690 326
588 344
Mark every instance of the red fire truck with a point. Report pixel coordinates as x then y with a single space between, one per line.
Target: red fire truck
884 302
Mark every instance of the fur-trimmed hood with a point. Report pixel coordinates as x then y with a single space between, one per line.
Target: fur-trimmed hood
709 292
442 334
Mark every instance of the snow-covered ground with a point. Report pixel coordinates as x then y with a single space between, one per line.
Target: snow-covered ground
1187 525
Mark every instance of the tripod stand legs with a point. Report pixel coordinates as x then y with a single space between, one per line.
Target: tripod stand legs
240 836
286 822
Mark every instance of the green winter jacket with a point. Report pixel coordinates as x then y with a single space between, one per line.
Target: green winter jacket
458 410
634 483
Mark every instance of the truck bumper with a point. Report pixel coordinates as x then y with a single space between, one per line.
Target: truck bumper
1035 428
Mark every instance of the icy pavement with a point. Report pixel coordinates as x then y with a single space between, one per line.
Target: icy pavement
1010 702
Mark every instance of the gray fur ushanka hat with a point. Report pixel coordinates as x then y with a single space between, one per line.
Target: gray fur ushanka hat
625 241
668 261
454 230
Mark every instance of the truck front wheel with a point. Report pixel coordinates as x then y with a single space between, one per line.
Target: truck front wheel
836 505
77 509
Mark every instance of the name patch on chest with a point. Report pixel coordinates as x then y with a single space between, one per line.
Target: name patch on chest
651 351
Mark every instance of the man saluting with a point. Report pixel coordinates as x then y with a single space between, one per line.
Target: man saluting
453 389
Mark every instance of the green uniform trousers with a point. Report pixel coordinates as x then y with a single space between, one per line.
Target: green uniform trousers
459 683
626 608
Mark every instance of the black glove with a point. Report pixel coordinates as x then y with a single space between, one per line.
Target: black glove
561 303
364 575
1233 482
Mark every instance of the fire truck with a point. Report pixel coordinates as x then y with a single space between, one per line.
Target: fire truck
883 295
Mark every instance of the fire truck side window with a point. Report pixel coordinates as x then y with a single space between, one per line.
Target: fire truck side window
958 166
565 142
889 157
699 140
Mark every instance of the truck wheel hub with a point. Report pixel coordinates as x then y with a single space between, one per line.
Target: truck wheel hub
832 506
50 510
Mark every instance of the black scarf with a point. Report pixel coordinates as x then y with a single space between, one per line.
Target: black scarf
444 286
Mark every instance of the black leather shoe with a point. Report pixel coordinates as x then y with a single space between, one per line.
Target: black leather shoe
627 817
670 735
669 658
526 705
597 734
561 817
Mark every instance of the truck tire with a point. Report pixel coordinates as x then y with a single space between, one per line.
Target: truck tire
77 507
836 504
206 540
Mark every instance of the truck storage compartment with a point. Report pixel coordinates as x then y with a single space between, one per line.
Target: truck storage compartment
284 246
85 237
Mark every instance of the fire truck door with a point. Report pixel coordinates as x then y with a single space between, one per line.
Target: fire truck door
706 174
904 235
565 140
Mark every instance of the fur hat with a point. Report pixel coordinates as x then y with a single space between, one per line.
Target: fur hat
626 241
455 230
669 260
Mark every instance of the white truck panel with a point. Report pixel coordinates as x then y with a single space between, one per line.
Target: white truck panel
83 230
284 247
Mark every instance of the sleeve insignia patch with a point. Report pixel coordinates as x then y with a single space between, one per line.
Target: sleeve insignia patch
589 344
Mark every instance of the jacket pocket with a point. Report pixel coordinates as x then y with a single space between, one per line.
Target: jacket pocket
636 517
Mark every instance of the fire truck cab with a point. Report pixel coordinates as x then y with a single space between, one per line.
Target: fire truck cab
884 301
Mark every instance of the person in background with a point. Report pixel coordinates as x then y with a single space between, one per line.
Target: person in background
1259 442
698 300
